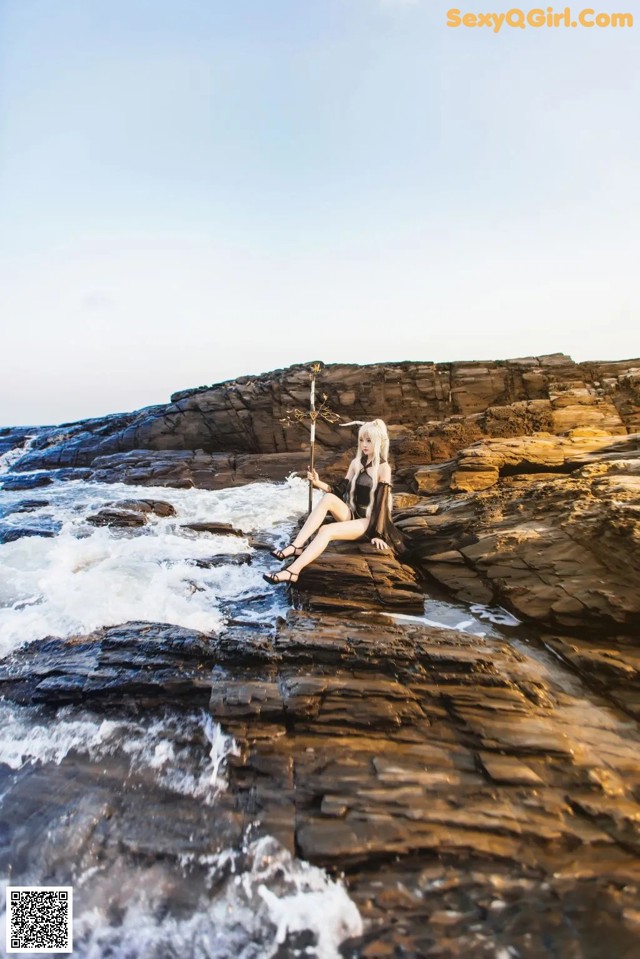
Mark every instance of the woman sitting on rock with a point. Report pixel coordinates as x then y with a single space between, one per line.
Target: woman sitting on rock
360 505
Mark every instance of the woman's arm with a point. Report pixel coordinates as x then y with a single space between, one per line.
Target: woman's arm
316 482
337 488
379 511
381 530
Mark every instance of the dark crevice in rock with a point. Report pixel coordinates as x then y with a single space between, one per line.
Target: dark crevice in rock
525 468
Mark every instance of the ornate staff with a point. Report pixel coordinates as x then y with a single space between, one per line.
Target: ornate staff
323 412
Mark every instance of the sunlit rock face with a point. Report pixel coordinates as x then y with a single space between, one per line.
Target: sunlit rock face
559 547
433 409
476 794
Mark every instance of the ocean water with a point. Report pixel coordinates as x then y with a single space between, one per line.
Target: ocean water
84 577
160 744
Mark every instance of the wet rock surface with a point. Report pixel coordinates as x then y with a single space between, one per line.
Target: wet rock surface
224 559
217 529
148 664
26 506
477 797
13 437
611 665
60 809
130 512
186 469
136 826
9 534
26 482
111 516
352 576
476 794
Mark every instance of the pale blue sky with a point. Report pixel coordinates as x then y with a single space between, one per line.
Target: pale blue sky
192 190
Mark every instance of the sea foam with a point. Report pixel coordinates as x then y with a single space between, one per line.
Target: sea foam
86 577
186 752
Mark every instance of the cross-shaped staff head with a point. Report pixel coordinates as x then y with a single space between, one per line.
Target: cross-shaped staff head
322 412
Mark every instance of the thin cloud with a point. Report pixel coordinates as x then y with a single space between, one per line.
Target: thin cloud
97 301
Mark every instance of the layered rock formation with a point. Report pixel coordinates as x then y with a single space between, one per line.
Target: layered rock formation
479 790
520 478
478 798
435 409
559 547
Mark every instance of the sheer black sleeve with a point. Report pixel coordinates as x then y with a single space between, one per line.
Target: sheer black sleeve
341 488
380 523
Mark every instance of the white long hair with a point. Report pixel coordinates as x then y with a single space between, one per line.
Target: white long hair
376 433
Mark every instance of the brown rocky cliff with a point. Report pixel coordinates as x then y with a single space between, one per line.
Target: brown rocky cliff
434 409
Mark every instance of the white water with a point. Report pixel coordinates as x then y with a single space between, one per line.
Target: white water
12 456
257 896
477 620
254 898
162 744
267 896
86 577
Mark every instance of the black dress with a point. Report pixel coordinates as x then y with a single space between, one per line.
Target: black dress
380 524
361 494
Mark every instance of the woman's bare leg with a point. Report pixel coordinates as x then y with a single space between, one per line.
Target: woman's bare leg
349 530
330 503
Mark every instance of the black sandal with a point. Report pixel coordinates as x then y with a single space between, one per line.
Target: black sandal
281 554
273 577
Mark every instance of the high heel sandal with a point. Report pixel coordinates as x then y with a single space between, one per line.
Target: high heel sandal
273 577
282 554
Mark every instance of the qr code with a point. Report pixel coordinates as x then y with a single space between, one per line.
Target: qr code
39 919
